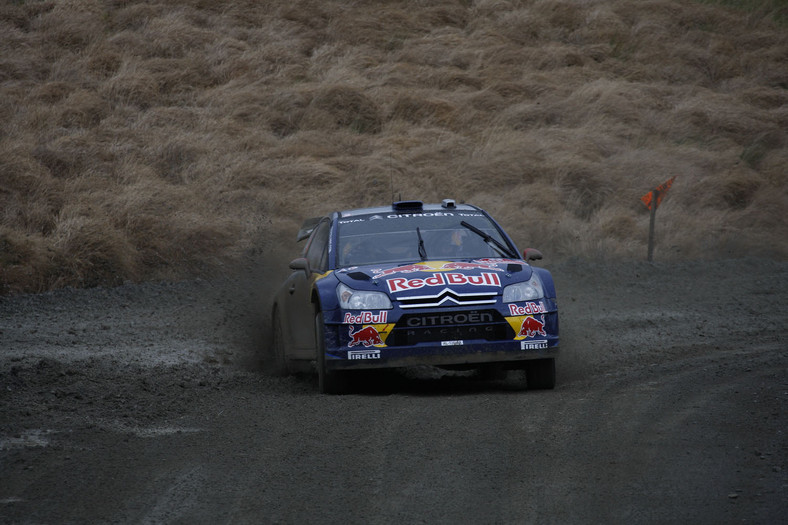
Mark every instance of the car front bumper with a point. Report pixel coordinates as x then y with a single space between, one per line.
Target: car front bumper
368 352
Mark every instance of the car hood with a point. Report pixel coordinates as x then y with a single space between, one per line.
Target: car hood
433 277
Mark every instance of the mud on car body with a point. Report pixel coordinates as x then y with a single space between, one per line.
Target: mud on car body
414 284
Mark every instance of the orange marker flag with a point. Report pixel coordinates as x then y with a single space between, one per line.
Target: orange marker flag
661 190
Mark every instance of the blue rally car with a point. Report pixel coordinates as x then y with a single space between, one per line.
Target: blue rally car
414 284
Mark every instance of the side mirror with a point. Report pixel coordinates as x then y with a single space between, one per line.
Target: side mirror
532 254
300 264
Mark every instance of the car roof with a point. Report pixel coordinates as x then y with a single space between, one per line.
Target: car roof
447 206
413 207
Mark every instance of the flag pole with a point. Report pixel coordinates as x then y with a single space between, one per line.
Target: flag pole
654 200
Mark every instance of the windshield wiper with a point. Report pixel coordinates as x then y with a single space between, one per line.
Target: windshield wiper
503 250
422 250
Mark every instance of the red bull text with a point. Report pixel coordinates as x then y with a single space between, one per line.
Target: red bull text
528 309
401 284
366 318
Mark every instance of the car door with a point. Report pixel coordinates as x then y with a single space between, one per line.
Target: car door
299 309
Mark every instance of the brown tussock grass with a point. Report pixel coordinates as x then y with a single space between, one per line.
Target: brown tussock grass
146 140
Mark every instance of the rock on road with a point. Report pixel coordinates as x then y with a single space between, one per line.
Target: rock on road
145 404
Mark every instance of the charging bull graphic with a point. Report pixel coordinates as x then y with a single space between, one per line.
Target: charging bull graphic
408 268
470 266
366 336
532 326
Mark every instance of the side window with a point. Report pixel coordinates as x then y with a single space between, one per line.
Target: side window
318 247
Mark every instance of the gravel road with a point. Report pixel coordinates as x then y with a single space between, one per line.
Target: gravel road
147 404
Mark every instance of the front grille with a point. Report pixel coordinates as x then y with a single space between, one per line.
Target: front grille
449 325
447 296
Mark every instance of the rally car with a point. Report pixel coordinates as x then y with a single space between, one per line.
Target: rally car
414 284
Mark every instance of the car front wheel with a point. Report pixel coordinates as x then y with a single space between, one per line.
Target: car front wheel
540 374
277 359
329 381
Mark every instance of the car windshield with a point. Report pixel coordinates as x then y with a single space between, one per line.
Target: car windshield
396 238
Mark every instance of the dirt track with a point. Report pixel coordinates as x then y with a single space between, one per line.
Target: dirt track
144 404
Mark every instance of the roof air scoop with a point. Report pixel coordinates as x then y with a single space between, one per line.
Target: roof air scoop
449 204
408 206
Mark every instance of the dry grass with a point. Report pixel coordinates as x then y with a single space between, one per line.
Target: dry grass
147 140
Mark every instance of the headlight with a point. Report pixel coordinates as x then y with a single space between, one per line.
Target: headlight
350 299
526 291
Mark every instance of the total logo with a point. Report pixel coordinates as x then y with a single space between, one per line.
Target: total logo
528 309
401 284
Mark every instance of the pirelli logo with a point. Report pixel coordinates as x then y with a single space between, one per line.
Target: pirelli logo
539 344
363 354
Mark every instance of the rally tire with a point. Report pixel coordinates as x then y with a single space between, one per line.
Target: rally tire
329 381
540 374
492 372
277 362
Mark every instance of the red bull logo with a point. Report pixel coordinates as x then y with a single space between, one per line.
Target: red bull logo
528 309
498 261
408 268
366 318
366 336
470 266
531 327
400 284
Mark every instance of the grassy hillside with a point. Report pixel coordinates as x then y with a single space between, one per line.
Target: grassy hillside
160 139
